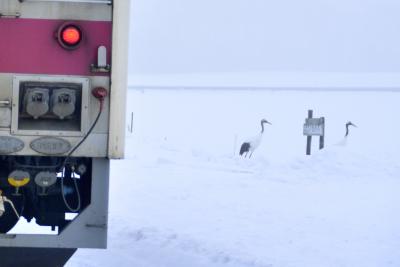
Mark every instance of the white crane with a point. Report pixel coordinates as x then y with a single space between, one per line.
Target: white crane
251 144
344 140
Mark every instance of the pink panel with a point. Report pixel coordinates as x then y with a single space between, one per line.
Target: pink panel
29 46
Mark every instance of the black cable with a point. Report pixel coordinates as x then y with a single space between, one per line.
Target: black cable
78 205
83 139
62 169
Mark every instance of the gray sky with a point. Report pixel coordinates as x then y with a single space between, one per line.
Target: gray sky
186 36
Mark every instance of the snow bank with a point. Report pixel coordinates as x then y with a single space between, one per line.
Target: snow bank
183 197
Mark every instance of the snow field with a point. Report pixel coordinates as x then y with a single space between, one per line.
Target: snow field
182 197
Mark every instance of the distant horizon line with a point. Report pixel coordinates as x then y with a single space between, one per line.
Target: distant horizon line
267 88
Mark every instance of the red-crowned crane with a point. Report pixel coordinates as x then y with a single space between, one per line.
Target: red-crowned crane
344 140
349 123
251 144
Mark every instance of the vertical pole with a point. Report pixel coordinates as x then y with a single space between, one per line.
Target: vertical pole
322 137
308 151
131 129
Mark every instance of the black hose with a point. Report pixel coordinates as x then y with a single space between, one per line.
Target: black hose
80 142
62 168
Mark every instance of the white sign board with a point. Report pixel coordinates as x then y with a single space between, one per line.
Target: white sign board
314 127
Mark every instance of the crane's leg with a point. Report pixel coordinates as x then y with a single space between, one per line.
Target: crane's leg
251 154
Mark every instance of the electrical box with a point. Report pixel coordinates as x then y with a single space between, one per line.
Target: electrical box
51 106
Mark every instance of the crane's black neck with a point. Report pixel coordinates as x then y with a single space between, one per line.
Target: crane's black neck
262 127
347 129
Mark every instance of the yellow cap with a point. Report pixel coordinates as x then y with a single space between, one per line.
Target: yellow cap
18 183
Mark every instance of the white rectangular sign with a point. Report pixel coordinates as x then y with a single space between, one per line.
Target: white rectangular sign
314 127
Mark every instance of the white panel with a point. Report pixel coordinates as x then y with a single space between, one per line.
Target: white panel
5 117
119 73
94 146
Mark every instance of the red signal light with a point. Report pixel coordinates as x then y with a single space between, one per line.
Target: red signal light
69 36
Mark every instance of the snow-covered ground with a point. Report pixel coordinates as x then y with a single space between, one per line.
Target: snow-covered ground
183 197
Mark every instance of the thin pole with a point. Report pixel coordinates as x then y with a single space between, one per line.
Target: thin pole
308 151
131 128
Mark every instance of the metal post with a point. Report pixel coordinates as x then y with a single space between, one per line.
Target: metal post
322 137
131 128
308 151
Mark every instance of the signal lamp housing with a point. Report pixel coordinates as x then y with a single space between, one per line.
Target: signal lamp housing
69 35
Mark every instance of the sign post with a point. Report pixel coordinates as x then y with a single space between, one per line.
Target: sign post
316 127
322 137
308 151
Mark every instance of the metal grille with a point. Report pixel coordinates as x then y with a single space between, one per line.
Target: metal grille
73 1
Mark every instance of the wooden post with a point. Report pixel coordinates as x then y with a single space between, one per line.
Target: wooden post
322 137
308 151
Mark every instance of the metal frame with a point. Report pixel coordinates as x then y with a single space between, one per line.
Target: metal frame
36 78
73 1
87 230
77 10
43 257
119 81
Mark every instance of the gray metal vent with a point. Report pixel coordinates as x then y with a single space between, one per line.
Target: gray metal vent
72 1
